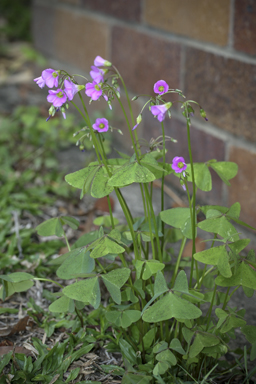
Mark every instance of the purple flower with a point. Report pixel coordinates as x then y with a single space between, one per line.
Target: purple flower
57 98
40 81
178 164
108 101
97 74
101 125
100 62
93 90
71 89
51 77
161 87
160 110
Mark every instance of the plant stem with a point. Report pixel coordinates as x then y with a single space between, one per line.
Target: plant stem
183 242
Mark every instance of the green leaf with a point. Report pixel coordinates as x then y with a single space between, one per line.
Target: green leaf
130 378
100 187
160 285
166 355
78 261
114 280
203 178
17 277
62 305
216 256
244 275
9 288
73 223
250 333
128 352
160 368
105 221
176 346
226 170
231 322
221 226
106 246
5 360
181 283
73 375
201 341
131 173
171 306
85 290
151 267
76 179
178 218
50 227
234 211
239 245
123 318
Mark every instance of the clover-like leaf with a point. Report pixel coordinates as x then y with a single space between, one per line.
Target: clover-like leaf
85 290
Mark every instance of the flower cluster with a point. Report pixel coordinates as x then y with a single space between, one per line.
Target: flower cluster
158 110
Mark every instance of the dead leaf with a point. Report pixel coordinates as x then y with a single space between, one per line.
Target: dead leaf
4 350
18 327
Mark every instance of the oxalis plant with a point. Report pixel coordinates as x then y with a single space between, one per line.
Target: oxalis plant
171 326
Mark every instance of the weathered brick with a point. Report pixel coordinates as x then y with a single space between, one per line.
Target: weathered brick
129 10
243 186
206 20
245 26
142 59
79 38
72 2
204 147
43 20
226 89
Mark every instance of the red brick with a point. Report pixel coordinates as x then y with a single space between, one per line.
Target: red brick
142 59
243 186
245 26
204 147
43 20
226 89
204 20
79 39
129 10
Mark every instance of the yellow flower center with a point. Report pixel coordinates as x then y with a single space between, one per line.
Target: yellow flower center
161 88
180 164
101 125
60 94
97 87
54 74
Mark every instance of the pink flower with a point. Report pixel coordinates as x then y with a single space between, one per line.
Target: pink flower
57 98
101 125
178 164
161 87
51 77
160 110
97 74
40 81
100 62
71 89
93 90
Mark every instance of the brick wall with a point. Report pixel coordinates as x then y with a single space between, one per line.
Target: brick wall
206 48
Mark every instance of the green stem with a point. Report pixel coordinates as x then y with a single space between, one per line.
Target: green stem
80 317
65 236
226 299
210 309
183 242
162 186
51 281
193 217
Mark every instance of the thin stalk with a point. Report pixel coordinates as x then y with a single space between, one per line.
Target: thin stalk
152 214
149 223
193 217
80 317
162 186
210 309
66 239
183 242
110 213
226 299
51 281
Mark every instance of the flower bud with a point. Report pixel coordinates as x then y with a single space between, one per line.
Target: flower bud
81 147
135 98
139 118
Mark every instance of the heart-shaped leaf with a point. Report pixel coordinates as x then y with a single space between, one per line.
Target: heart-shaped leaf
85 290
79 261
131 173
171 306
114 280
63 304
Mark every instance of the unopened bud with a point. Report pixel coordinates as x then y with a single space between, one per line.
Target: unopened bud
139 118
168 105
135 98
81 147
203 113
